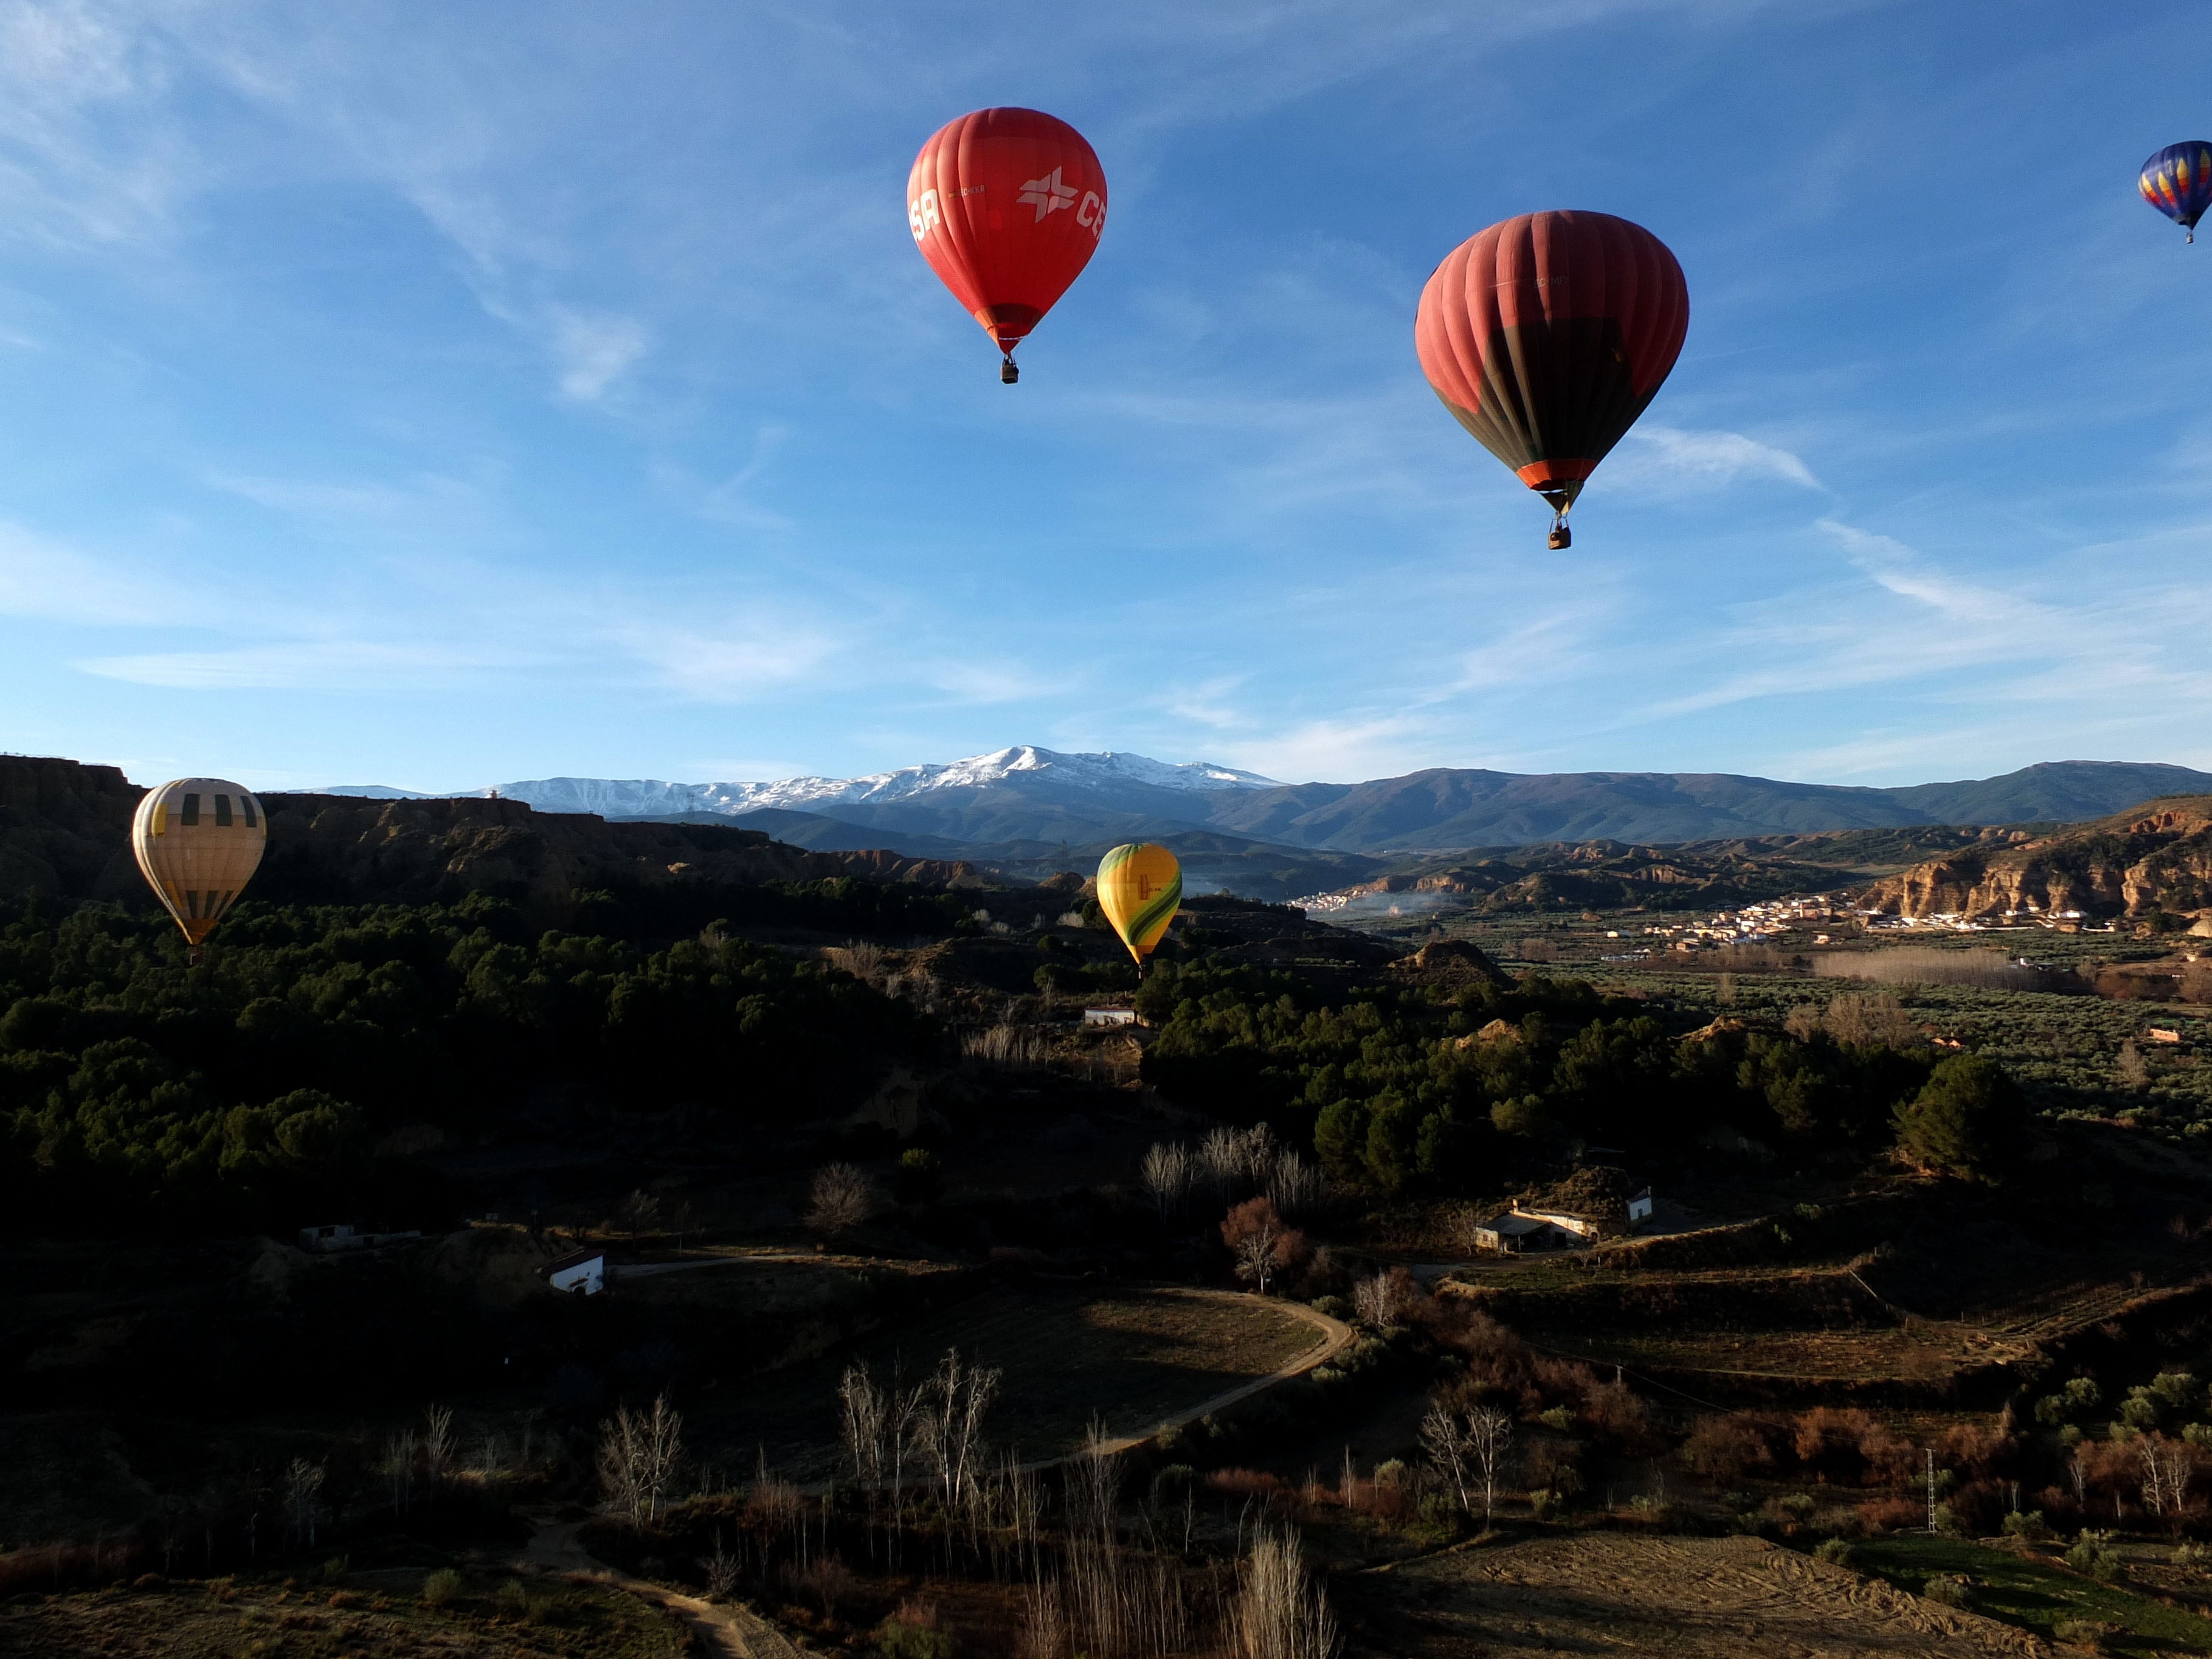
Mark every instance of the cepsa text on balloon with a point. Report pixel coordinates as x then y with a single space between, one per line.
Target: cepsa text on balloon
922 215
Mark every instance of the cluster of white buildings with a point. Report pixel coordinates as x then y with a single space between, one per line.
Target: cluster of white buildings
1951 922
1754 924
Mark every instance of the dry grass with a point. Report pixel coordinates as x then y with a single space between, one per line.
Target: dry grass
1734 1598
1130 1356
218 1619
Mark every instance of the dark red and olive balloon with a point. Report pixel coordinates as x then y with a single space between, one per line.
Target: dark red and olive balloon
2178 182
1547 335
1006 205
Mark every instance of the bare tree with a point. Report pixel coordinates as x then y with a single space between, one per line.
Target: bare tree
842 1197
2133 1069
1445 1437
1167 1175
1378 1301
399 1469
1280 1614
1489 1441
866 1424
639 1212
721 1569
640 1453
1256 1257
440 1445
303 1486
957 1399
2166 1470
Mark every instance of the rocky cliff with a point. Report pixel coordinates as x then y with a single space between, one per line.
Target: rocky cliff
64 830
2153 860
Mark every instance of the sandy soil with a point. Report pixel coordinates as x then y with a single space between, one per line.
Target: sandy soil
1619 1595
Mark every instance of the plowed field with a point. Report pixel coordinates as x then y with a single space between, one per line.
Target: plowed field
1620 1595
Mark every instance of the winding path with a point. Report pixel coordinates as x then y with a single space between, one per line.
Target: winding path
737 1633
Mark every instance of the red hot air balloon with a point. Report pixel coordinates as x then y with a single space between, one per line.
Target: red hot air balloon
1547 335
1006 205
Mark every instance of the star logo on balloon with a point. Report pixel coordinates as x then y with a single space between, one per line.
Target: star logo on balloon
1047 194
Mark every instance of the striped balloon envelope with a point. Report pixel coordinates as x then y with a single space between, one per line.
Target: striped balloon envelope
1547 335
197 842
1140 889
2178 182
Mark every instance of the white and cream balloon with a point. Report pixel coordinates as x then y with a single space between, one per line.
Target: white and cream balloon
199 841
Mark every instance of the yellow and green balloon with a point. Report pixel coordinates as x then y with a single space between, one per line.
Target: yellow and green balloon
1140 889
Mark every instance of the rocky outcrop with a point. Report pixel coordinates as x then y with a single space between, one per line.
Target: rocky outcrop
2152 860
64 830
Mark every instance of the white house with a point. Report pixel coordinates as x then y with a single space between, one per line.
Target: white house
1640 1207
580 1272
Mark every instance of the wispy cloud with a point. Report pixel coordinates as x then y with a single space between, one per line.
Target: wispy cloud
594 350
44 580
1670 460
319 665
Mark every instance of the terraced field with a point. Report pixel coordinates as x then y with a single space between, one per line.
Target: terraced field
1624 1596
1130 1358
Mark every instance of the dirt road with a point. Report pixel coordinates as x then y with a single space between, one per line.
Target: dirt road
733 1631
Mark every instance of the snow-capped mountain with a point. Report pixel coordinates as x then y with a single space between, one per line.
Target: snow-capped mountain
1025 767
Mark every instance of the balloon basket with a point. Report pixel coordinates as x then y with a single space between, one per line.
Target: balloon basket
1008 374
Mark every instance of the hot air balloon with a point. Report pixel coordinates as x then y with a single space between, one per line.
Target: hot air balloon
1546 336
1139 888
2178 182
1006 205
199 841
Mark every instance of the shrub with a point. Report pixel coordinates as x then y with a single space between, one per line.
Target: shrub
2193 1555
441 1587
2090 1633
1951 1590
912 1633
2028 1524
512 1599
918 1177
1836 1551
334 1570
2092 1553
1724 1449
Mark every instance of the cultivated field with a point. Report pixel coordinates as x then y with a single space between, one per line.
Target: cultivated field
1129 1357
1621 1595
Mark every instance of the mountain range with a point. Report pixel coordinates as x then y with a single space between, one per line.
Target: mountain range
1030 803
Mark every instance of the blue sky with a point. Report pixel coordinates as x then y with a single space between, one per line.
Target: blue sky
437 396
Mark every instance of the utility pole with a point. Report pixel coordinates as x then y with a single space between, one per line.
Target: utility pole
1929 1452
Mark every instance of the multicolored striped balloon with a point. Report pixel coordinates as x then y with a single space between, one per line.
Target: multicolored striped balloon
1140 889
2178 182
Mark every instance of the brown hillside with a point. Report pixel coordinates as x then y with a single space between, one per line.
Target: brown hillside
64 830
2153 860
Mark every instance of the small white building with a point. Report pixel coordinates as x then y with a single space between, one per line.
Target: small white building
1639 1207
1109 1016
580 1272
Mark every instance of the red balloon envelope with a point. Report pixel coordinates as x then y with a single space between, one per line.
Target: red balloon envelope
1006 205
1547 335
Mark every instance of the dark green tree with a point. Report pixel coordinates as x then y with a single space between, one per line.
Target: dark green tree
1969 1119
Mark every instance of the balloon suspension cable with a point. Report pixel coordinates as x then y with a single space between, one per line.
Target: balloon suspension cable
1008 373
